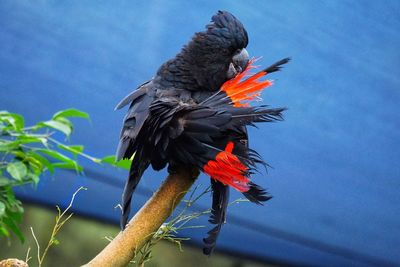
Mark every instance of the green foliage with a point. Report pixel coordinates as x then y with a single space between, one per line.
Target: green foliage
26 152
124 163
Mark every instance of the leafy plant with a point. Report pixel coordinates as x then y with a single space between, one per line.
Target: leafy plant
26 152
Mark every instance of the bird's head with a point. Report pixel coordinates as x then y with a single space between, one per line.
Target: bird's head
219 53
214 55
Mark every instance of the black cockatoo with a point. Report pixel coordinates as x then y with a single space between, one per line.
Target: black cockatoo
194 112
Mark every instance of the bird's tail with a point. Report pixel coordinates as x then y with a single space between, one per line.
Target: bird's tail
234 160
218 214
135 173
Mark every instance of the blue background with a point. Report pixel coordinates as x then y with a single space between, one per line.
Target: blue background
336 156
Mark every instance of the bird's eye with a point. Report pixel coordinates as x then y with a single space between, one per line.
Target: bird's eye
238 51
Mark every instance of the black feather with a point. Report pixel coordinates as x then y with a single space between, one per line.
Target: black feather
257 194
277 65
132 97
218 214
138 166
197 126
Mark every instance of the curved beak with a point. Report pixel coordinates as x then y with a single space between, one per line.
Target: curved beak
241 60
238 64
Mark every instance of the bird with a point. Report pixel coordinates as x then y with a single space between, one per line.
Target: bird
194 112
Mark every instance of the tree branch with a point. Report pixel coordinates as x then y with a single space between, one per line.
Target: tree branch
147 221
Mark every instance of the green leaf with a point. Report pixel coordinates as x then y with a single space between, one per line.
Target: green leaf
62 127
55 241
68 165
10 223
35 164
13 204
65 121
55 154
109 160
15 120
3 113
17 170
19 154
4 181
124 164
25 139
2 209
4 231
77 148
19 120
71 112
16 209
33 177
73 149
6 146
42 160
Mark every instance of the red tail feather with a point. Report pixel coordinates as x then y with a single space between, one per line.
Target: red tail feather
228 169
242 91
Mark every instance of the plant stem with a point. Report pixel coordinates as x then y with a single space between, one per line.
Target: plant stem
38 247
59 223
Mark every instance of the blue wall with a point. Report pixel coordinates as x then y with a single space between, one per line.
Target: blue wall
336 157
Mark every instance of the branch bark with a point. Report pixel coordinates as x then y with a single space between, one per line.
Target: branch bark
147 220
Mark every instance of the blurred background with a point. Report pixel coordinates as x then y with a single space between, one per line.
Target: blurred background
335 176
